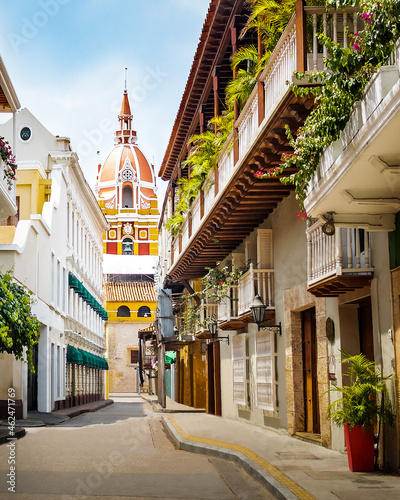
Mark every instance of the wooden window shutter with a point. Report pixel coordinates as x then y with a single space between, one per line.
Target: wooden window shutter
239 369
264 370
264 249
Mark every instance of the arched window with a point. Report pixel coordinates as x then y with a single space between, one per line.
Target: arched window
127 197
123 312
144 312
127 246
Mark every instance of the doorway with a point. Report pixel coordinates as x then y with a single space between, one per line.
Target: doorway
365 328
213 394
310 382
33 382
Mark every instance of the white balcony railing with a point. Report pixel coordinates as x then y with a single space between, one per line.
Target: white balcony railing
207 311
280 68
346 252
256 281
229 306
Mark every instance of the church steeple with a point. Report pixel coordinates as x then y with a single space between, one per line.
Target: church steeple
125 135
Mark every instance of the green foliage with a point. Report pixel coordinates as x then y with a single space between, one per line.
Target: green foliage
190 317
19 330
205 149
349 70
365 400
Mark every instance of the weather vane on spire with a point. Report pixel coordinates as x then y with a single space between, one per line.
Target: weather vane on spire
126 72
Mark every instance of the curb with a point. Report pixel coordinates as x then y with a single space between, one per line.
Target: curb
4 438
274 480
76 410
159 409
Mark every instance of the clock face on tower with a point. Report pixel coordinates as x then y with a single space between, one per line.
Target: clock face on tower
127 175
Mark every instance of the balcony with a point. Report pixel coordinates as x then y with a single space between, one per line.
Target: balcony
8 205
228 310
359 175
256 282
337 263
233 201
208 310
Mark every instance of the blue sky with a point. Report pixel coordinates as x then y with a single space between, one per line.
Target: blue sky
66 59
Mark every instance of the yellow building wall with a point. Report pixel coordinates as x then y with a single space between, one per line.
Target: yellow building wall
192 375
33 191
112 308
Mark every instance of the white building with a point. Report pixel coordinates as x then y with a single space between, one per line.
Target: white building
55 250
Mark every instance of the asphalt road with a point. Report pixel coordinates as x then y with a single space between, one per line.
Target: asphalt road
119 452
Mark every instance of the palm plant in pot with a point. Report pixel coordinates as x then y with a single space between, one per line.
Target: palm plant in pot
363 405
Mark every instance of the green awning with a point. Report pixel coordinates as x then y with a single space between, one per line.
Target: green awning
170 356
85 358
74 356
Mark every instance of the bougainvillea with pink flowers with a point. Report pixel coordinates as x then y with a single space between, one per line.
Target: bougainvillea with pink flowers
8 158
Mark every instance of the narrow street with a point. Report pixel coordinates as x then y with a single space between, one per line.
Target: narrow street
120 451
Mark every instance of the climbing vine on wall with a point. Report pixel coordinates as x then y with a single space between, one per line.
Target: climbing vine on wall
19 329
341 86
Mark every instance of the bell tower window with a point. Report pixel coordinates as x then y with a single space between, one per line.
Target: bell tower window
127 197
127 246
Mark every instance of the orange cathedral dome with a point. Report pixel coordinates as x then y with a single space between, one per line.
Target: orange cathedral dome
126 179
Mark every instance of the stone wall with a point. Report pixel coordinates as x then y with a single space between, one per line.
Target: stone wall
297 299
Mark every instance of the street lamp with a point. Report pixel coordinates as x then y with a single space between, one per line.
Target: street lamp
258 309
213 329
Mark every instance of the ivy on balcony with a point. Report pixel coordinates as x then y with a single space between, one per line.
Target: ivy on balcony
343 84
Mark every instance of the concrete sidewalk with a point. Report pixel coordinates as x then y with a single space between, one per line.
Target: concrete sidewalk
289 467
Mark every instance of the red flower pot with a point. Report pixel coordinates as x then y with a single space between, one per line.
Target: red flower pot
360 447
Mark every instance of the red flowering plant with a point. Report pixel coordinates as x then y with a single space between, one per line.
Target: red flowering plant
10 167
339 87
217 281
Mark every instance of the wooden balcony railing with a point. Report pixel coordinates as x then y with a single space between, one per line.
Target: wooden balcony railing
276 76
339 262
256 281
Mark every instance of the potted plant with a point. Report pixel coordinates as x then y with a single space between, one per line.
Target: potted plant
363 406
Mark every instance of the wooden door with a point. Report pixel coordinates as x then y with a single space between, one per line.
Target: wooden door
217 379
210 396
310 381
365 328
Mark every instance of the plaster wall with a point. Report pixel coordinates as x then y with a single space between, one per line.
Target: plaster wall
289 256
122 337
